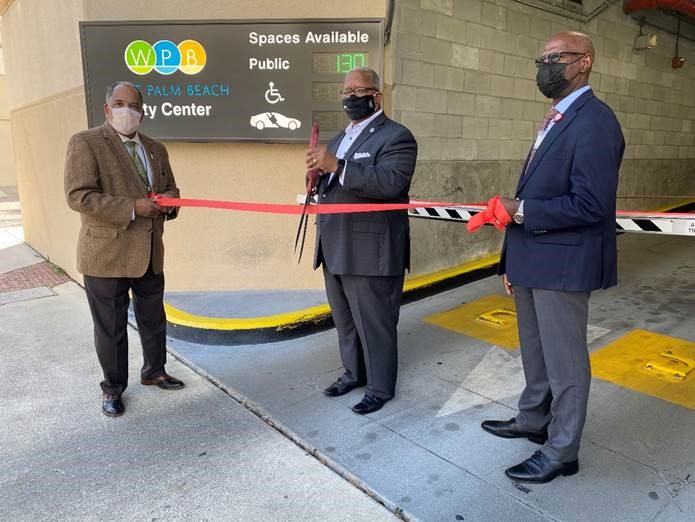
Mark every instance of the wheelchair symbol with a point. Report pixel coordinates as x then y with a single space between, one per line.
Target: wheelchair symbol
272 95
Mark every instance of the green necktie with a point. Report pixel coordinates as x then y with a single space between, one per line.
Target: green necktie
142 170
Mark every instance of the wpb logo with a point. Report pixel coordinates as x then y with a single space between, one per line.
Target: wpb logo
165 57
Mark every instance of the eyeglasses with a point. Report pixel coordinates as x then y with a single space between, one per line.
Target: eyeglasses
553 57
359 91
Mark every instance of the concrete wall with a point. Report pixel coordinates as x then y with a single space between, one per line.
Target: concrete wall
464 82
205 249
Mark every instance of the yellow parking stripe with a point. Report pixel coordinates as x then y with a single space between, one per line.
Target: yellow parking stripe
650 363
491 319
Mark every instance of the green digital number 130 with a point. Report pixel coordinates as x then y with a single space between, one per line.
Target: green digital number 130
346 62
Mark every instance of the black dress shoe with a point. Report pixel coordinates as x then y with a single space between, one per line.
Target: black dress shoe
541 469
369 404
165 382
508 430
112 405
339 388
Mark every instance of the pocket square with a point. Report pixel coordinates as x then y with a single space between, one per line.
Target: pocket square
360 155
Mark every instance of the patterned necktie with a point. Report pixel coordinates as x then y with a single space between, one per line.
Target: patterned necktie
139 166
552 112
549 116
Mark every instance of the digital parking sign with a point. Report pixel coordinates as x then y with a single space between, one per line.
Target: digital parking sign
230 80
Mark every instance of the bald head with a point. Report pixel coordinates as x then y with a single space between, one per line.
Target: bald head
575 41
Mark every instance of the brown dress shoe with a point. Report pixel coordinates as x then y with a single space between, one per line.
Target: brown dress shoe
165 382
112 405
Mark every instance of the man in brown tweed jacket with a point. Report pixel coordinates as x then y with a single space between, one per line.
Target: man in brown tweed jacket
109 171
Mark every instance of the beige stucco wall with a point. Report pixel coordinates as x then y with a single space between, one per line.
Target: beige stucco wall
8 177
206 249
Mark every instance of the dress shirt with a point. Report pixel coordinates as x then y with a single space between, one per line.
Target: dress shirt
140 149
352 132
561 107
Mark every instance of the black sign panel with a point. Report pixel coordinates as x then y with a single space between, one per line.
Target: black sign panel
217 81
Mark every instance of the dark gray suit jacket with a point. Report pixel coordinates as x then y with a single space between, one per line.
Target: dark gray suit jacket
379 168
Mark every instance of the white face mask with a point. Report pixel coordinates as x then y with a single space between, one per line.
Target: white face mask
125 120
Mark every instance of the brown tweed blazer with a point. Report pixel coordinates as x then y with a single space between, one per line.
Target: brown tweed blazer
102 184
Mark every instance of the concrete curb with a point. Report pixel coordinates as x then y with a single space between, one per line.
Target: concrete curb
184 326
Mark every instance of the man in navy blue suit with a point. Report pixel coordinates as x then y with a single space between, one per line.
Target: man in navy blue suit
560 246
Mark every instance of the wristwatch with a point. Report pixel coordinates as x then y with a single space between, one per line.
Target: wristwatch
519 214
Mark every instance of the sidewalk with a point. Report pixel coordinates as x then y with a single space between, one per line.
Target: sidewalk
424 454
190 455
199 455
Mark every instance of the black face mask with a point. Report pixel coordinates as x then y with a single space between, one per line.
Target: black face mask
551 80
358 107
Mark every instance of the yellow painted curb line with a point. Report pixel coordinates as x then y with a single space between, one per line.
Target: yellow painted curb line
423 281
181 318
669 208
314 313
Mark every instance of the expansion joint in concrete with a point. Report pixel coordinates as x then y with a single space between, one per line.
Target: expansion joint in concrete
266 417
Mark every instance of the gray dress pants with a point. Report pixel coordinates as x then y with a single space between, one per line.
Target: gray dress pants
552 332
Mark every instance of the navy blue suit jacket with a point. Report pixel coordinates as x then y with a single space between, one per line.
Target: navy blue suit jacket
567 241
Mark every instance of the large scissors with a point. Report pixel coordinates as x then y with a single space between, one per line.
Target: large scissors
312 178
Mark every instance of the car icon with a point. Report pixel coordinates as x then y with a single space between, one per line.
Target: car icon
274 120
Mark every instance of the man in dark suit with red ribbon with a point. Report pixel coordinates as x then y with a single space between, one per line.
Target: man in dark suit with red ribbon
365 255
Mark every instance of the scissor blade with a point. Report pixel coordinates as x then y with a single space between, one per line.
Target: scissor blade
302 221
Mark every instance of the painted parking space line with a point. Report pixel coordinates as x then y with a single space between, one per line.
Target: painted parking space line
650 363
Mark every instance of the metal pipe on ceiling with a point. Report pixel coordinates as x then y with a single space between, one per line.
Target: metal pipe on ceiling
686 7
555 9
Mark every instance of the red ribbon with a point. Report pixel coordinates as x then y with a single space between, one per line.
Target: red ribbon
345 208
494 214
280 208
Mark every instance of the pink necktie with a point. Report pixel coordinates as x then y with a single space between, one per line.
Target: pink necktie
552 112
549 116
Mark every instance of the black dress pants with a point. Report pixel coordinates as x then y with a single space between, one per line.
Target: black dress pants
365 312
108 301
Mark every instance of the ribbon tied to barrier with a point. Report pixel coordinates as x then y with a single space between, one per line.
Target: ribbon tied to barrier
494 214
